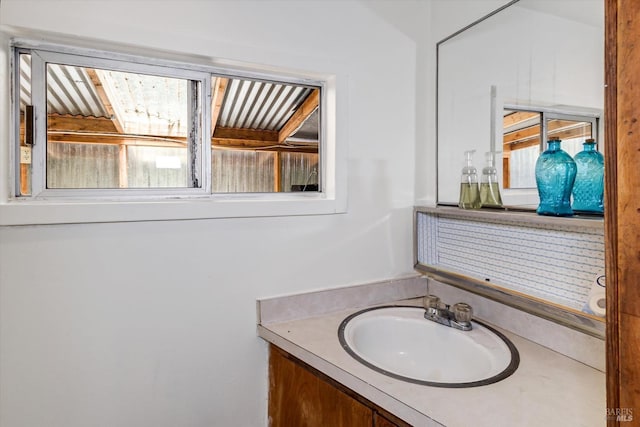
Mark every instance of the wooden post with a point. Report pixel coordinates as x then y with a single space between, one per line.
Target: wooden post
622 209
277 171
123 177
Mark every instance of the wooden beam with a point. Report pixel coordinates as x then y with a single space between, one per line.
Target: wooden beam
114 139
306 109
219 89
518 117
564 129
249 139
115 116
521 135
67 122
580 132
96 130
263 136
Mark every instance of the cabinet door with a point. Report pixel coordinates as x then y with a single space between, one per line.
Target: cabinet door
299 398
380 421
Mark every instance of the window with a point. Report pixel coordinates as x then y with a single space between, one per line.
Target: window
92 124
525 133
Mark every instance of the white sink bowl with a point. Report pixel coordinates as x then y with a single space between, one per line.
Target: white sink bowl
401 343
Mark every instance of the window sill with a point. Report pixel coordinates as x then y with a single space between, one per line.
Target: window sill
228 206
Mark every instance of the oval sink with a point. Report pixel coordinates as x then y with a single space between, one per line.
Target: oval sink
399 342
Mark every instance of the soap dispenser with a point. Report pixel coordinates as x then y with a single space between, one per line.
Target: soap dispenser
469 192
489 188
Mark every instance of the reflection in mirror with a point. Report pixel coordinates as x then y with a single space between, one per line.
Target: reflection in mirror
536 56
525 133
522 74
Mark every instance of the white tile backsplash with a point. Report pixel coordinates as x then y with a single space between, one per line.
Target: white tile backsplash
553 262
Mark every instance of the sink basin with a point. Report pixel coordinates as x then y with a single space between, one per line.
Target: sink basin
399 342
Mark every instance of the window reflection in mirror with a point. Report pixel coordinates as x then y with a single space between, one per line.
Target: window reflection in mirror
524 137
521 143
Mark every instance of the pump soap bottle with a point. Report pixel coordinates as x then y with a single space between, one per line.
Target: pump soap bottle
469 192
489 188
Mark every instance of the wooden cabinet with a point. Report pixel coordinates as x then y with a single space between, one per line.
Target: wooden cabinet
301 396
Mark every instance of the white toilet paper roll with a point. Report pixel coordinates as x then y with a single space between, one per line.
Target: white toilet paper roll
597 304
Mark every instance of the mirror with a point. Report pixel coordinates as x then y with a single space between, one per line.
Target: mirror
529 71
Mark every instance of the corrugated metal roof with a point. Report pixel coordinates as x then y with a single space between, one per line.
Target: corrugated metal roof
252 104
146 104
143 109
69 90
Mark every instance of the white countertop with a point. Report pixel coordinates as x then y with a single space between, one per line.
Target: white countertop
548 389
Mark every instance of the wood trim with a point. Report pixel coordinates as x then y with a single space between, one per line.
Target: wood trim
611 201
622 213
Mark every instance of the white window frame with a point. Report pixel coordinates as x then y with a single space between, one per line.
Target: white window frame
200 170
82 206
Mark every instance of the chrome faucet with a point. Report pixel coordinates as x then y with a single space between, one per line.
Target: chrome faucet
459 316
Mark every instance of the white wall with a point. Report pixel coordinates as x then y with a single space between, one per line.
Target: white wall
153 323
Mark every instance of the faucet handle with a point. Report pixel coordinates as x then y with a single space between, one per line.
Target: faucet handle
462 312
431 301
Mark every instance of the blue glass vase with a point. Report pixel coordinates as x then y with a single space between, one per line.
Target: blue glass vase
555 175
588 190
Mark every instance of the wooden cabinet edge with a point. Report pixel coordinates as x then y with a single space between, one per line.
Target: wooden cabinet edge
380 416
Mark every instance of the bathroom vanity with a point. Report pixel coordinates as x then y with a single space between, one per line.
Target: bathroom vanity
312 376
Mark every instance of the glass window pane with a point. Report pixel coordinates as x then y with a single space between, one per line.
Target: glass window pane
82 166
299 171
522 171
521 147
24 83
114 129
156 167
257 126
571 132
243 171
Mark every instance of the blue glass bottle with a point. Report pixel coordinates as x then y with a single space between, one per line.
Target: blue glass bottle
588 190
555 175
